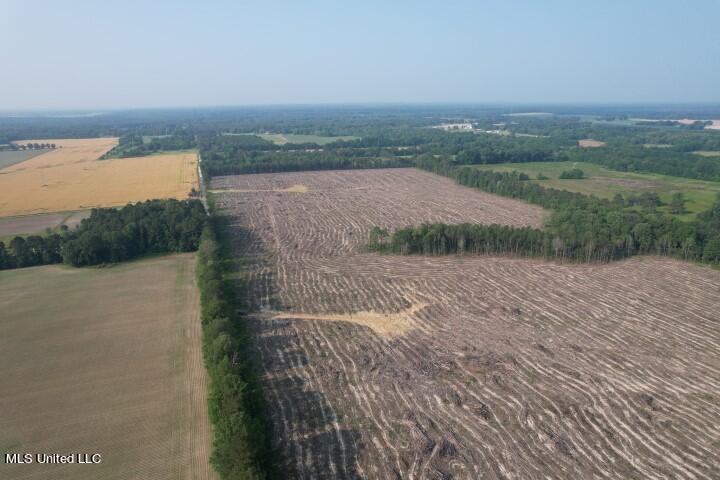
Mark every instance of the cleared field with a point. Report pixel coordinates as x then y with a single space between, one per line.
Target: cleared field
72 178
9 157
283 138
468 367
605 183
707 153
104 361
37 224
589 143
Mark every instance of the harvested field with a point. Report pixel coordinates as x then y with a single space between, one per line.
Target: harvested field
589 143
30 224
10 157
72 178
498 368
104 361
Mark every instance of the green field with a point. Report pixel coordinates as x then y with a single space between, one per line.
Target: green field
107 361
605 183
11 157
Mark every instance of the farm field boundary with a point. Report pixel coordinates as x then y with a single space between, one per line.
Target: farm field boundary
72 178
569 370
105 361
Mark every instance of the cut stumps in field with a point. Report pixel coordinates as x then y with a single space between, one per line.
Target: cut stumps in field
511 368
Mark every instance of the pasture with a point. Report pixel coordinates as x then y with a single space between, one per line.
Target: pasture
605 183
381 366
104 361
73 178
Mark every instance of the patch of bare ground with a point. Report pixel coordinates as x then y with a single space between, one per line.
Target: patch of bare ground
501 367
589 143
387 325
29 224
291 189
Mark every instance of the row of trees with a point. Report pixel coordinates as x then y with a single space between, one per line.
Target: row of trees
135 145
31 251
581 228
28 146
113 235
241 444
236 154
216 162
665 161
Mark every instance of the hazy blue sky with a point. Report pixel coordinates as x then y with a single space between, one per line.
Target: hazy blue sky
99 54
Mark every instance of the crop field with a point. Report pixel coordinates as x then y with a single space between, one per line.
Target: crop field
72 178
380 366
104 361
10 157
605 183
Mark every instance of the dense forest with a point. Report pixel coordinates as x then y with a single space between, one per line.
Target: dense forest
137 146
390 135
113 235
237 154
581 228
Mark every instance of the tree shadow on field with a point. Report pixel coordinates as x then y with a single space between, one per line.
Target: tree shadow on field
307 429
310 431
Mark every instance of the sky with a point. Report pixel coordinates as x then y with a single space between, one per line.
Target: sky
133 54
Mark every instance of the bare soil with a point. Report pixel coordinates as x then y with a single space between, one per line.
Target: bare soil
498 368
589 143
28 224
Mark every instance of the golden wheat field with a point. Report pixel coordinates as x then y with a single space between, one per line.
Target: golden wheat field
72 178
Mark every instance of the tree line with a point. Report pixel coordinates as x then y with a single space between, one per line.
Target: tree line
581 228
241 443
134 145
666 161
217 162
28 146
113 235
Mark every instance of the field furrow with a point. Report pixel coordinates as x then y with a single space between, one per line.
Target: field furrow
467 367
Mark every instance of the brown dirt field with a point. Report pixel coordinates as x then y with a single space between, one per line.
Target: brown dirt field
588 143
511 369
72 178
104 361
29 224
